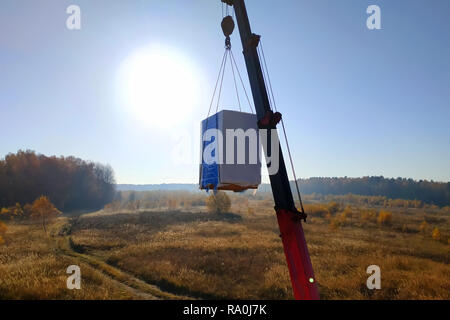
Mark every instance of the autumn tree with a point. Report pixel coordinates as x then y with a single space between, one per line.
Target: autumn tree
172 203
43 209
70 182
3 229
5 213
368 215
436 234
17 211
384 218
335 223
423 227
218 203
333 207
418 192
12 213
27 210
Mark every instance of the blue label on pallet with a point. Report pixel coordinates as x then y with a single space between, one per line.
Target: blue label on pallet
210 171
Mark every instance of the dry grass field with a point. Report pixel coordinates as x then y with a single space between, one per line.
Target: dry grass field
178 253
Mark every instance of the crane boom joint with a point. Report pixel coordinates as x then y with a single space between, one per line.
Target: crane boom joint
228 2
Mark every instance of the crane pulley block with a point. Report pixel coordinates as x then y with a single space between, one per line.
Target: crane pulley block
227 26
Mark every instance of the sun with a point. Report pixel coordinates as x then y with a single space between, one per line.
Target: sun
159 86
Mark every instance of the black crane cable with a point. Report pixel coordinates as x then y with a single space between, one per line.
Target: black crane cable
217 82
229 53
235 85
272 100
221 81
242 82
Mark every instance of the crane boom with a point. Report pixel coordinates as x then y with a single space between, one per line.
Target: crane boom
289 219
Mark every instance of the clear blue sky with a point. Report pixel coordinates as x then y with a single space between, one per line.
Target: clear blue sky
356 102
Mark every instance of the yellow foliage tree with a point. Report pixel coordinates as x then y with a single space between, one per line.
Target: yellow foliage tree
17 211
12 212
172 203
43 209
218 203
384 218
436 234
335 223
333 207
27 210
423 226
346 214
3 229
5 212
368 215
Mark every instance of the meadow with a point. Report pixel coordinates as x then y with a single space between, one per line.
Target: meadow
156 245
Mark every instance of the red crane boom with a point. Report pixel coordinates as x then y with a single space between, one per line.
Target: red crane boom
289 218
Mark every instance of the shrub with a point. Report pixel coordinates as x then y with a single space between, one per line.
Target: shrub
17 211
112 207
335 224
27 210
423 227
172 204
348 213
3 229
218 203
368 215
317 210
445 210
384 218
436 234
12 213
333 207
5 213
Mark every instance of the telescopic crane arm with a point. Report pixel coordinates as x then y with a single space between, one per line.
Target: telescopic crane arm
289 218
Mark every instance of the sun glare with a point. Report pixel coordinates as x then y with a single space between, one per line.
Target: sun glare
159 86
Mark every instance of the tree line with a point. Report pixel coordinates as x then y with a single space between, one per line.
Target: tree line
430 192
70 183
